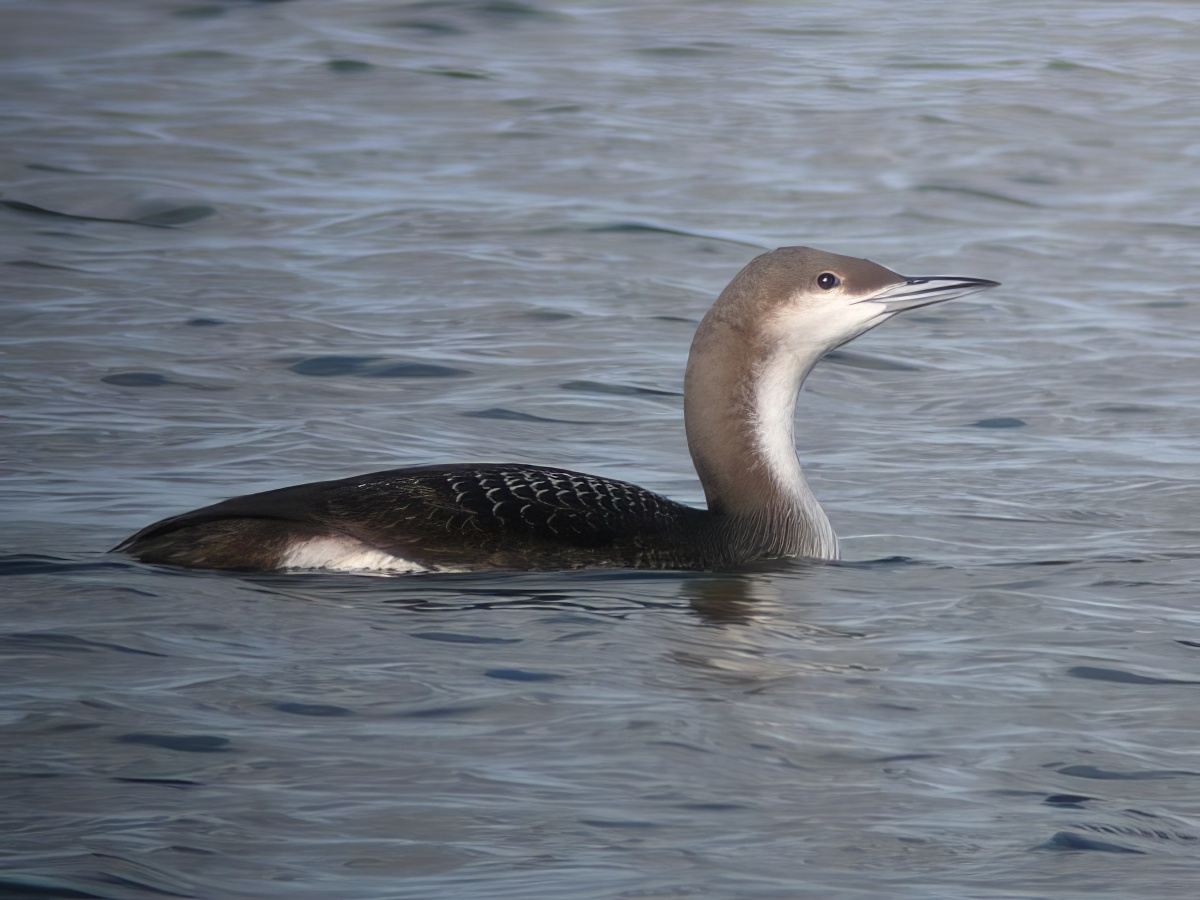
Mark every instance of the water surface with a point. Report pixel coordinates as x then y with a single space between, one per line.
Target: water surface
250 244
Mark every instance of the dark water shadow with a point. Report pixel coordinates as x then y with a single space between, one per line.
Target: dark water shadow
372 367
511 415
102 876
1120 676
37 564
621 390
107 199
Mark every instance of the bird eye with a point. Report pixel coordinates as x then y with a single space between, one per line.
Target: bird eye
827 280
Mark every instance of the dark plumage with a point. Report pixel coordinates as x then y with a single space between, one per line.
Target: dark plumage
503 516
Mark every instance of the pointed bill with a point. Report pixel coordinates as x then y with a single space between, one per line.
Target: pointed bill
913 293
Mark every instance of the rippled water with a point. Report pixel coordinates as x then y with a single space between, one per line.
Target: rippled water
251 244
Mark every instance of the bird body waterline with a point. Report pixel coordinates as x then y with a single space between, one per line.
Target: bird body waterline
749 357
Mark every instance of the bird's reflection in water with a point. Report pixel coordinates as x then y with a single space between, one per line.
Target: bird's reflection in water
734 599
767 639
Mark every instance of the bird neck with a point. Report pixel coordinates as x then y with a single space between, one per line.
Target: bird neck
739 411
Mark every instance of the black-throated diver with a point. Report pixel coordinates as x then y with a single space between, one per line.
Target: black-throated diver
780 314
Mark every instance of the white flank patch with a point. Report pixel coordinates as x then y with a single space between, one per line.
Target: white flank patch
345 554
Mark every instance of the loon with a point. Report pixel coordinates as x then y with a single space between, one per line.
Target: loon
751 353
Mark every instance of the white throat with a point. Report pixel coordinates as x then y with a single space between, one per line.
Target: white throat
776 387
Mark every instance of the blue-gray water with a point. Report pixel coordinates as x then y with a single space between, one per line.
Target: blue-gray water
237 236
